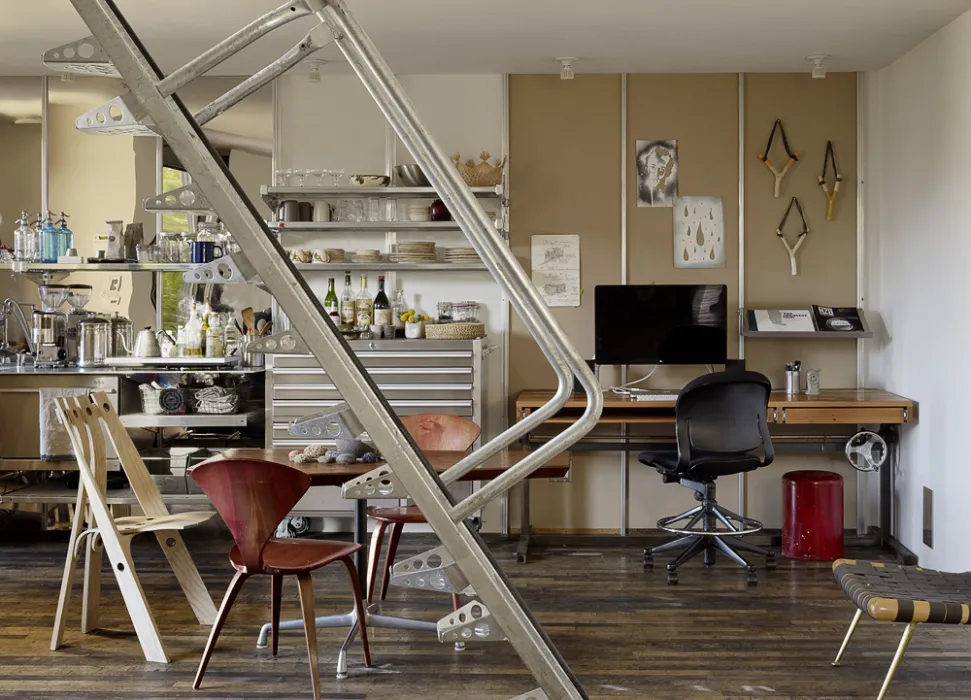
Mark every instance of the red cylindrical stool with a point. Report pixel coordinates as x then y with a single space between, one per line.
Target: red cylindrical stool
812 515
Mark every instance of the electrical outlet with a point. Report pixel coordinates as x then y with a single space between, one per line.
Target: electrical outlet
928 517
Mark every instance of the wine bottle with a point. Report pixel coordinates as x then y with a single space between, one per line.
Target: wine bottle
331 303
348 312
382 306
364 307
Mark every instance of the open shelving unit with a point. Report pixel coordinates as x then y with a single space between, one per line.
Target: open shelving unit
191 420
748 332
274 195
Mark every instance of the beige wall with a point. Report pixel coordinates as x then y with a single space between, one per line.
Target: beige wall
565 178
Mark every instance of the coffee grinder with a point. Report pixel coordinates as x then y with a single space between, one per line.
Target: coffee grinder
78 296
50 326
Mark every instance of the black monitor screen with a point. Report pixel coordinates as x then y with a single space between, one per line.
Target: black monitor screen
677 324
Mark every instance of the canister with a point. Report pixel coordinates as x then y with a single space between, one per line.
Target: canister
95 342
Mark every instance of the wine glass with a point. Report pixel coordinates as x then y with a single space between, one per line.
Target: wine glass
316 176
288 176
298 176
279 178
336 174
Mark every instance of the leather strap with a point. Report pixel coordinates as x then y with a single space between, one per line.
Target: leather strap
830 196
792 249
793 157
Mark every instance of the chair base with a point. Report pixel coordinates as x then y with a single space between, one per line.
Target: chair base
707 529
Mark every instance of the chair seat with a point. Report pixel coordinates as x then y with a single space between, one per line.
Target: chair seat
287 555
895 593
404 514
703 466
135 524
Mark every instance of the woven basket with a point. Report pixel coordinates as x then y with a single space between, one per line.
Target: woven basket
454 331
483 174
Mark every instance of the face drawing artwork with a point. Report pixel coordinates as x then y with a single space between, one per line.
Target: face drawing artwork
657 173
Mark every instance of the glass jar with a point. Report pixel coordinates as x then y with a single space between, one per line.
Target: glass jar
446 312
185 239
466 312
208 231
170 245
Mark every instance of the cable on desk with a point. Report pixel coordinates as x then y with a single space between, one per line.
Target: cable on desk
622 389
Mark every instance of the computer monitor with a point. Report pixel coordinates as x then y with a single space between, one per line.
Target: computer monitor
676 324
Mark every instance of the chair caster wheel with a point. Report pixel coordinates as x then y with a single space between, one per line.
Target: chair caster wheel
770 564
648 561
752 577
672 578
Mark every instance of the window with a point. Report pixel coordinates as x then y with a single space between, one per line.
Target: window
173 288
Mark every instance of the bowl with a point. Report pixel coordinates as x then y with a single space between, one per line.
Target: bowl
410 176
370 180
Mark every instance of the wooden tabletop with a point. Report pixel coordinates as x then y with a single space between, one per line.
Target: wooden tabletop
338 474
831 398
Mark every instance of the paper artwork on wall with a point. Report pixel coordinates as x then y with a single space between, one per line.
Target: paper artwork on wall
699 232
555 263
657 173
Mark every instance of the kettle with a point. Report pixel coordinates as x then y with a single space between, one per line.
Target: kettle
146 344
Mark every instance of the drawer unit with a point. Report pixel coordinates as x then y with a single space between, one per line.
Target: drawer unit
415 376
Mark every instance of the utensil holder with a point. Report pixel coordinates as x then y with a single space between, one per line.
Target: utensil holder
793 382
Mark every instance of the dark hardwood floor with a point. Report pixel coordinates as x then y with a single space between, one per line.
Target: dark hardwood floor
624 632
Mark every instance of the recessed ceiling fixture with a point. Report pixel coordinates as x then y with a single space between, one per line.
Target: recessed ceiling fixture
315 66
819 65
566 67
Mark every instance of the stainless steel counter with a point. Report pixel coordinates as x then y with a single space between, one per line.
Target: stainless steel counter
13 370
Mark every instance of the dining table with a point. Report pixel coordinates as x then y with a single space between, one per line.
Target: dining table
334 474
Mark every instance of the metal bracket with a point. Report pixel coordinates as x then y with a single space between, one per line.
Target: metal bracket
377 483
122 115
434 570
182 199
538 694
470 623
284 343
340 423
229 269
84 57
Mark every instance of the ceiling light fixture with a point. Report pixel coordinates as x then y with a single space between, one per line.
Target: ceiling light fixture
315 66
67 77
819 65
566 67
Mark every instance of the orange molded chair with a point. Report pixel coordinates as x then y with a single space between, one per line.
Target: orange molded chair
433 432
253 496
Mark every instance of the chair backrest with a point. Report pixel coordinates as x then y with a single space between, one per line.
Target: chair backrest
441 431
252 497
724 413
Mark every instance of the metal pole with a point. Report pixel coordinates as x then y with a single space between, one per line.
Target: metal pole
624 456
45 145
741 251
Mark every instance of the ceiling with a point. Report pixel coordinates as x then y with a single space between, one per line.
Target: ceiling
523 36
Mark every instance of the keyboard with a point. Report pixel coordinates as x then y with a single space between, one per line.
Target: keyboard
655 396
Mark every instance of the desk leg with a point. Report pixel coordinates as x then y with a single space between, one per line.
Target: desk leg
886 491
360 537
524 527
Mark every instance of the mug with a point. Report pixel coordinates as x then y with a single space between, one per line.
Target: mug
204 251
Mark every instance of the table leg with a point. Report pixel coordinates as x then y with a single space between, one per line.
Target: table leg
360 537
524 526
886 492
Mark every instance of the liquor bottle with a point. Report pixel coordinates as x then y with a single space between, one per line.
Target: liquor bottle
193 334
348 312
364 307
332 304
382 307
397 311
204 332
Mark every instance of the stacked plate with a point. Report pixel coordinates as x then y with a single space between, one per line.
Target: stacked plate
367 256
414 252
465 254
336 255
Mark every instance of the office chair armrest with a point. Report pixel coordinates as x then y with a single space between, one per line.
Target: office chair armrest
766 442
684 445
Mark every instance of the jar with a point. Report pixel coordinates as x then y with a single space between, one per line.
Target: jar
185 254
170 245
208 231
446 312
466 312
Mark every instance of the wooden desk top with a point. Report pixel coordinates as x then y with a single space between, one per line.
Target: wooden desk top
834 407
338 474
832 398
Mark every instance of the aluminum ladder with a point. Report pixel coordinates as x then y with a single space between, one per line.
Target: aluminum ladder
152 107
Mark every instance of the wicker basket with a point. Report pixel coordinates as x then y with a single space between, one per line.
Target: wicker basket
454 331
216 400
483 174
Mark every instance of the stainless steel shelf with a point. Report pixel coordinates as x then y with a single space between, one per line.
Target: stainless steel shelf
55 494
194 420
105 267
373 226
391 267
274 195
806 335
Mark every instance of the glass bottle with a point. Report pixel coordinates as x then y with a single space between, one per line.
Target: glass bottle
382 307
24 240
65 236
193 334
215 337
364 307
49 240
332 304
397 311
348 312
204 330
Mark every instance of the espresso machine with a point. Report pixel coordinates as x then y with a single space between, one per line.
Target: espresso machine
78 297
50 326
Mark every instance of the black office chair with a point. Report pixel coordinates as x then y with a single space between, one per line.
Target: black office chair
721 430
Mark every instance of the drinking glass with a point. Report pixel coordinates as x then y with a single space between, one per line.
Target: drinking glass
356 211
288 176
279 178
298 176
316 177
336 174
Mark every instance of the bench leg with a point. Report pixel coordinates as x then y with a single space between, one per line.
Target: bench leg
849 635
897 658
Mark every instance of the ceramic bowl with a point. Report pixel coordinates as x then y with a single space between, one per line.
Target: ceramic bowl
370 180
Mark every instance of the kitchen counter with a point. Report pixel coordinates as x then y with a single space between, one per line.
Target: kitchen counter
30 371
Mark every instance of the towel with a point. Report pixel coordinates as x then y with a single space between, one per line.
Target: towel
55 444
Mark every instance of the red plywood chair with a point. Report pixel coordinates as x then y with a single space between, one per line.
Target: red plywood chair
433 432
253 496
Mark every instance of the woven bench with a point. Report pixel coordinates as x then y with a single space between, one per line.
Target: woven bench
893 593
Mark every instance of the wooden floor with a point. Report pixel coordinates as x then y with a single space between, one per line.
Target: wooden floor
625 634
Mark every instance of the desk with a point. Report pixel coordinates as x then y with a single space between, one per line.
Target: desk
835 407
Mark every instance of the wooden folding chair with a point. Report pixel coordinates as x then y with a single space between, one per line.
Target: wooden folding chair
82 417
